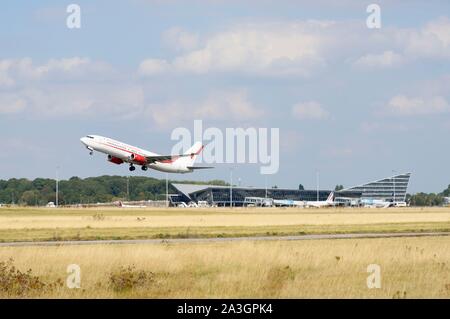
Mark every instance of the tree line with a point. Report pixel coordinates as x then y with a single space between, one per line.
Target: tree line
428 199
75 190
104 189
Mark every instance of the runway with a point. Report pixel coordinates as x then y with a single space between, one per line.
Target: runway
221 240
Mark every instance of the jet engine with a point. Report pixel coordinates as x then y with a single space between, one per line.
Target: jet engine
114 160
139 159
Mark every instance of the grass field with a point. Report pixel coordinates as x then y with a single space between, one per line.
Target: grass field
410 268
28 224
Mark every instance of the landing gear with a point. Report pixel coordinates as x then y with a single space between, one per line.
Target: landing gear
132 168
144 168
91 150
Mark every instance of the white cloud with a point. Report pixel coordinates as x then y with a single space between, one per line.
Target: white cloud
151 67
383 60
300 48
221 106
102 99
20 70
309 110
63 87
180 39
268 48
403 105
37 90
255 49
432 40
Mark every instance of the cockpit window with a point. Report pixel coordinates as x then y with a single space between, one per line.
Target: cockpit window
90 136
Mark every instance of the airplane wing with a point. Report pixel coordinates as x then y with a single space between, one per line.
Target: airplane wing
165 158
200 167
192 152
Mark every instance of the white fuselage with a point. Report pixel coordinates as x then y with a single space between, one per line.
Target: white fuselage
376 203
318 204
321 203
288 202
119 153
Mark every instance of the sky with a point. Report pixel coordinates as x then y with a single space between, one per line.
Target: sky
352 103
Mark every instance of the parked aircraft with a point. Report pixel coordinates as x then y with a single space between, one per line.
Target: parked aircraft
289 202
381 203
321 203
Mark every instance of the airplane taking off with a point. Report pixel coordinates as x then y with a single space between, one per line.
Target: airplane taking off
321 203
119 153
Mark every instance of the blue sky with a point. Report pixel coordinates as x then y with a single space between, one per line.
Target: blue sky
352 103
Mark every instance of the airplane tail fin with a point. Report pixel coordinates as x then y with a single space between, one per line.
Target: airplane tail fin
193 152
330 197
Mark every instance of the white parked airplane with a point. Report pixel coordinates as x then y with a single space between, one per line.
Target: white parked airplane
119 153
380 203
321 203
375 203
122 205
289 203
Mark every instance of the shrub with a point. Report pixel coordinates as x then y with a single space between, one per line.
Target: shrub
127 278
14 282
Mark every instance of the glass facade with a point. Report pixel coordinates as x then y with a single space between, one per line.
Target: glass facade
220 195
391 189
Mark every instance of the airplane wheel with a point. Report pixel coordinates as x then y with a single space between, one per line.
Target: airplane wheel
144 168
132 168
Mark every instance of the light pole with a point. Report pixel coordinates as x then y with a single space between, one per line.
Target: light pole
317 184
231 187
167 189
393 177
265 184
57 186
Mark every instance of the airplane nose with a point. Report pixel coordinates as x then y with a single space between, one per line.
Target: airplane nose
83 140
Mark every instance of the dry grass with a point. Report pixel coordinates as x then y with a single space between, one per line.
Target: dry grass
92 233
111 223
410 267
231 220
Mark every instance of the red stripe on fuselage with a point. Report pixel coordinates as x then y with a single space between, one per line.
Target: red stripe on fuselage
121 149
169 161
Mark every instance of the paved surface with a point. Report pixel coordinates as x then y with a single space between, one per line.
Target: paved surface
219 240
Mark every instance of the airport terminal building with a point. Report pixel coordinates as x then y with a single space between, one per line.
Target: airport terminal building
389 189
